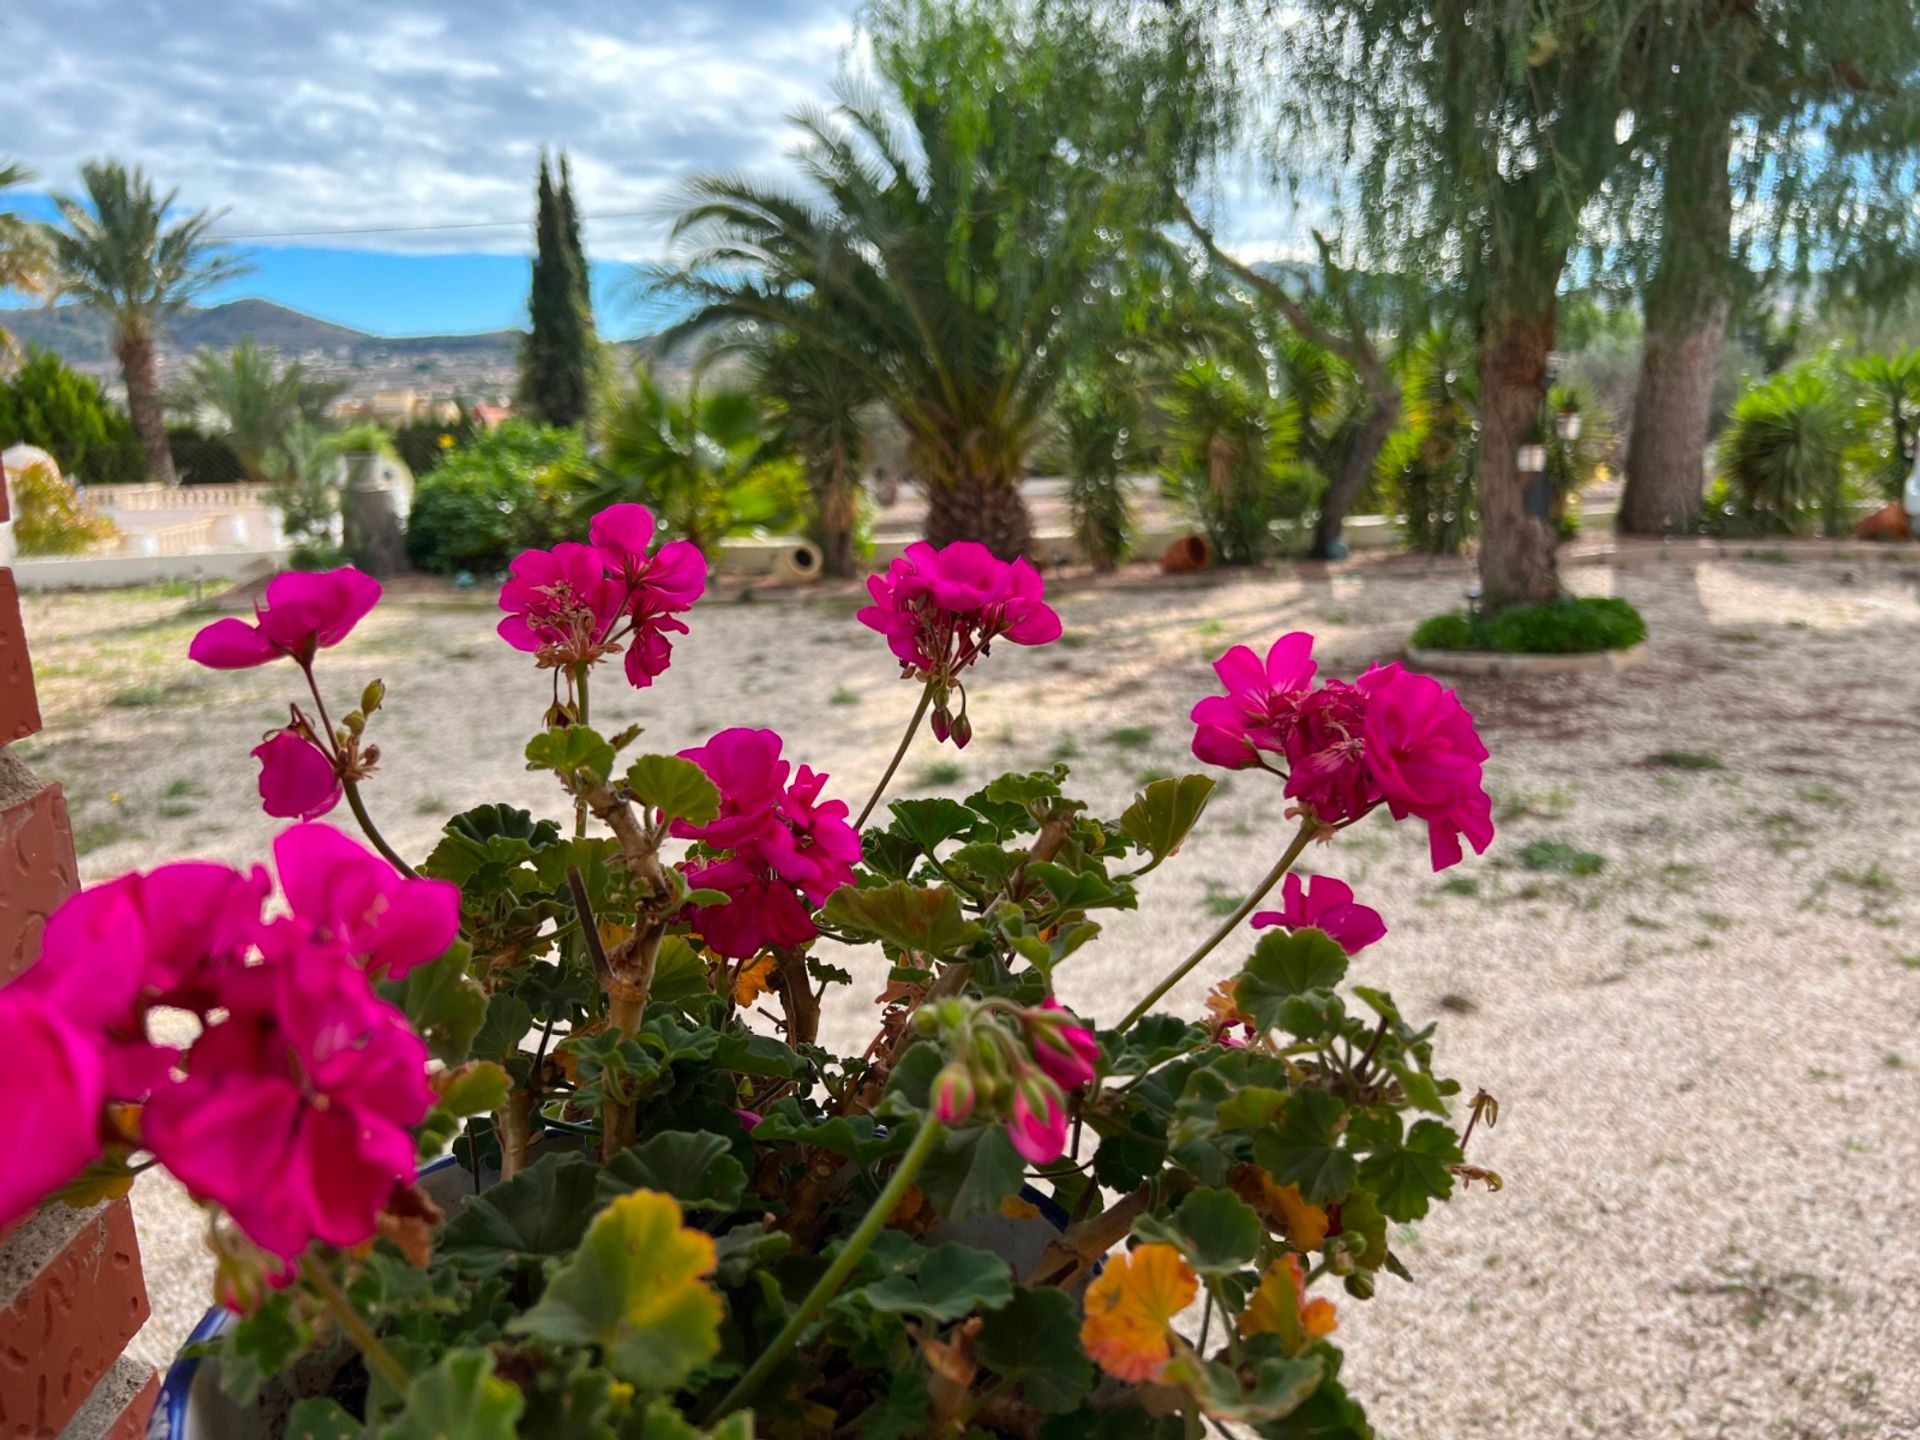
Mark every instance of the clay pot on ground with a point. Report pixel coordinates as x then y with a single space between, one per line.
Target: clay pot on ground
1186 555
1889 522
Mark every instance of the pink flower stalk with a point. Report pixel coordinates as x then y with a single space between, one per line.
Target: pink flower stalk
1062 1047
353 897
941 610
784 840
1325 903
559 602
1426 756
298 780
304 613
1261 706
296 1110
52 1091
1038 1128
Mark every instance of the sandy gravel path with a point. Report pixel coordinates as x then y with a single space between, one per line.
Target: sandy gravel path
1704 1044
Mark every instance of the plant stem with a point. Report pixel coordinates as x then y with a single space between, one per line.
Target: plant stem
379 1359
359 808
580 718
913 727
1227 926
828 1285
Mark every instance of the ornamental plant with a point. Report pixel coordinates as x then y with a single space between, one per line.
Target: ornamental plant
535 1134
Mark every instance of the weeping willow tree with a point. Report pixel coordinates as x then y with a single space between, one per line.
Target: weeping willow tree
967 214
1785 138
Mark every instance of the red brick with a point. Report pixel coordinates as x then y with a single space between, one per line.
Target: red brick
120 1406
19 706
69 1317
37 865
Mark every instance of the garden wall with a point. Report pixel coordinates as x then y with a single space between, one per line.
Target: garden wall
71 1290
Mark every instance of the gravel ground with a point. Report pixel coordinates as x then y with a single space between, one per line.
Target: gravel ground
1704 1046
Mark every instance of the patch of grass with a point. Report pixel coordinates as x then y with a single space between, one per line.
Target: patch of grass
1741 637
1148 776
1065 748
1909 962
98 834
1132 737
1891 1061
431 805
1219 901
1558 857
1336 616
1579 626
1820 793
1785 831
1462 885
940 772
176 809
1457 1004
1684 760
1714 920
1767 557
1209 629
1074 640
135 697
1553 803
1680 876
182 789
844 696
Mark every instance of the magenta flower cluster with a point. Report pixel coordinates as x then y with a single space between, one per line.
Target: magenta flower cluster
1390 738
575 603
776 849
941 610
1025 1080
294 1106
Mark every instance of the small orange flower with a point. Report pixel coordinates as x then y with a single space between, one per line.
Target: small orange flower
1283 1205
1280 1307
1131 1308
754 979
1224 1007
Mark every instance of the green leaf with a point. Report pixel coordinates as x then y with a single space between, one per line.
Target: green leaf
971 1172
540 1212
1153 1040
695 1167
471 1089
1284 966
259 1346
508 1020
908 916
1163 814
1404 1178
318 1419
458 1399
677 788
1034 1340
949 1282
928 823
575 753
636 1287
1080 889
1215 1230
850 1137
747 1248
1280 1385
444 1005
487 836
1303 1149
678 973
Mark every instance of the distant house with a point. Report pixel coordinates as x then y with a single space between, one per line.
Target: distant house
489 415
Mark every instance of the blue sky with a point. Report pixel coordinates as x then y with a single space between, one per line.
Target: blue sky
396 116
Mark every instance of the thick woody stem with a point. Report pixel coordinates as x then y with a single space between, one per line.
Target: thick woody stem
514 1122
1079 1250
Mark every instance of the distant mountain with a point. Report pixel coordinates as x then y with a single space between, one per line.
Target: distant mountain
82 336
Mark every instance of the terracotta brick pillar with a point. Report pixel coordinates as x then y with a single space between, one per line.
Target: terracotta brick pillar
71 1291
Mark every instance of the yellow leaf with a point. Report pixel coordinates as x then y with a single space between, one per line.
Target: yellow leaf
1014 1208
1306 1224
755 978
1280 1307
1130 1309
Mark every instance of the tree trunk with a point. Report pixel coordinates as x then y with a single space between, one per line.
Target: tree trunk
838 516
984 507
1516 549
1356 469
1687 302
137 368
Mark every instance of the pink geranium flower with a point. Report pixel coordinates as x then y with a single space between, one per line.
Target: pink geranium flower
761 911
941 610
296 1110
1261 706
304 613
1062 1047
1426 759
298 780
746 767
1325 903
672 578
559 601
53 1088
1327 754
1038 1128
385 920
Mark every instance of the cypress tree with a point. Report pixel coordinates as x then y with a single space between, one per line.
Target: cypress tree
570 226
556 360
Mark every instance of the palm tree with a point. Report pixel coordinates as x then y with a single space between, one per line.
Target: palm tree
119 254
254 403
24 254
816 401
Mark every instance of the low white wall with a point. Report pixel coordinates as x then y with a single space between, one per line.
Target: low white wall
96 572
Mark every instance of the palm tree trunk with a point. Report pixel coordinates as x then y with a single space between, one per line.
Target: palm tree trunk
1687 302
138 369
1356 469
838 515
1516 549
973 504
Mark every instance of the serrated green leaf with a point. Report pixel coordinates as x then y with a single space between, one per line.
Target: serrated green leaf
678 973
930 823
747 1248
696 1168
853 1138
471 1089
1303 1149
1215 1230
909 916
971 1171
445 1006
315 1418
1034 1340
947 1283
1279 1385
1164 813
676 787
1284 966
575 753
637 1288
507 1022
540 1212
1080 889
1405 1178
460 1398
488 835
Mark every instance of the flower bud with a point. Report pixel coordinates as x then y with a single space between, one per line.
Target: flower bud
941 724
962 730
1360 1284
1064 1049
371 697
1038 1128
954 1094
355 722
1340 1259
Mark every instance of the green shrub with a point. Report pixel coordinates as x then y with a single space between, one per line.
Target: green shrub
46 404
511 489
1100 426
1429 469
49 518
426 444
1782 458
1568 627
1232 461
202 459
